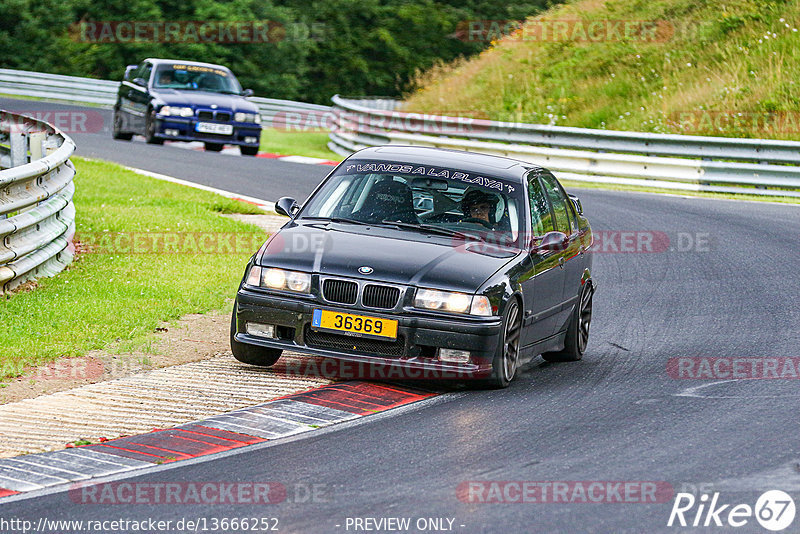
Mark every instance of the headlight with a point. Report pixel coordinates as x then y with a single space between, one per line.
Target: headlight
279 279
176 111
247 117
431 299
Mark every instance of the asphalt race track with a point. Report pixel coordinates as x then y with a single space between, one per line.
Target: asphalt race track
255 177
724 285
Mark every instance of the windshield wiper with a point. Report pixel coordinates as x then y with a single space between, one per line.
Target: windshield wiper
429 228
338 220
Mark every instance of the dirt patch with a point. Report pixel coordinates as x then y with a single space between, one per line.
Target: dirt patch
192 338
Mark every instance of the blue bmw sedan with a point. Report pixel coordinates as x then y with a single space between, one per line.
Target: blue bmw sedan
165 99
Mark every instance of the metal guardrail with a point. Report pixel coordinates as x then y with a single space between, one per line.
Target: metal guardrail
75 89
680 162
37 216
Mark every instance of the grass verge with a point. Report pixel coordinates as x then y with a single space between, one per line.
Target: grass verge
311 144
706 68
149 251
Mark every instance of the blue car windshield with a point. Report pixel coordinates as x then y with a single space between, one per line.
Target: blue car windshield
196 78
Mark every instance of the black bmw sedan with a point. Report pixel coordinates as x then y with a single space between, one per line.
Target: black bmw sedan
438 262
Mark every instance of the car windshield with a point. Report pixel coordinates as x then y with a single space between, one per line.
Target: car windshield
420 198
196 78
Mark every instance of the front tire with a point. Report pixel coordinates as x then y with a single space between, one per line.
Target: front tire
248 150
150 129
578 330
251 354
506 358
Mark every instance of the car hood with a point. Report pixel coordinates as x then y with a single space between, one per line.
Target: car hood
395 256
203 99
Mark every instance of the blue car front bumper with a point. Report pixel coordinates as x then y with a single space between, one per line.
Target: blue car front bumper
185 129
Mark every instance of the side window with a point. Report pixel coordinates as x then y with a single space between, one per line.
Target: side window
541 219
573 214
559 201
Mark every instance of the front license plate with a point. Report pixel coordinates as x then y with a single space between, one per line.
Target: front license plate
356 325
213 128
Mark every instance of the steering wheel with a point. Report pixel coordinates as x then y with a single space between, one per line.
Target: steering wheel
483 222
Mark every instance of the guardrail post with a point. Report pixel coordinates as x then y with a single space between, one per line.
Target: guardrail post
18 143
36 142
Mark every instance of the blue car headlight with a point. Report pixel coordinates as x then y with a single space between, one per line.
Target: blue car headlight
247 117
176 111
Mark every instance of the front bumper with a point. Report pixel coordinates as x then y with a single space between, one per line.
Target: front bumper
413 354
183 129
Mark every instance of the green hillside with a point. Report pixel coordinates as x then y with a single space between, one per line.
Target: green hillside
729 68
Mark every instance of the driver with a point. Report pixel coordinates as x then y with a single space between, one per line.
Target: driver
477 204
166 78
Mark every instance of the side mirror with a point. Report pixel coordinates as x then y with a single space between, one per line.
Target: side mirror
287 206
129 70
247 92
140 81
552 242
577 203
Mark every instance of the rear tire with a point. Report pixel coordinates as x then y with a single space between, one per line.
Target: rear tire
251 354
248 150
578 330
214 147
116 129
506 358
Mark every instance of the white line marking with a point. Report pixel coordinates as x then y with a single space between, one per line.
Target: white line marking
303 159
263 204
692 392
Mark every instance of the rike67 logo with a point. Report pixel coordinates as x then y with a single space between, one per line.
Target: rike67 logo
774 510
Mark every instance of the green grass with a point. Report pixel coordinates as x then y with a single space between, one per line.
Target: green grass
110 294
311 144
718 68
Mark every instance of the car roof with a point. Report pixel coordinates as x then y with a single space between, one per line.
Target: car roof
159 61
497 166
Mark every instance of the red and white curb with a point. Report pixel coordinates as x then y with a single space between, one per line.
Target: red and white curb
234 151
287 416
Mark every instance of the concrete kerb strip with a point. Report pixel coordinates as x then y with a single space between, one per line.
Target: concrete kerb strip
287 416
